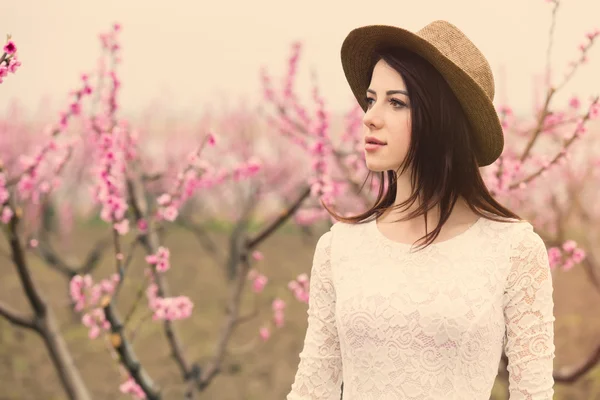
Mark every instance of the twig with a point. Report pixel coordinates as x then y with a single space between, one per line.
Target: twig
279 221
560 154
16 317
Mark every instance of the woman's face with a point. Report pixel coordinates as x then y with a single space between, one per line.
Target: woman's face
387 119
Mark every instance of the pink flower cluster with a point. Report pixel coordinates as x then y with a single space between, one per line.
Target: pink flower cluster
86 295
160 259
188 181
278 307
131 387
500 175
168 207
110 190
259 281
10 59
6 213
168 308
300 288
292 69
247 170
585 46
32 184
566 256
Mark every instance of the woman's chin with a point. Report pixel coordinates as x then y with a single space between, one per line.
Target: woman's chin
377 167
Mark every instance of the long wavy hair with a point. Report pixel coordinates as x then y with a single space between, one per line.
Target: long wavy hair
441 157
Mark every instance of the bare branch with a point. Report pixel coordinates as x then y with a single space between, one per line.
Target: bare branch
126 353
572 374
279 221
233 309
47 253
16 317
18 256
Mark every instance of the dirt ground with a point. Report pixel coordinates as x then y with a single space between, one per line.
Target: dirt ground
253 370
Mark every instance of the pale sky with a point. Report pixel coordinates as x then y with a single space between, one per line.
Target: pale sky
192 53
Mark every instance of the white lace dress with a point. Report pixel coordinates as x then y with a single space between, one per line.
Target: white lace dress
392 324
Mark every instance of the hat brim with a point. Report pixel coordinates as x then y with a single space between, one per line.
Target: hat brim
357 53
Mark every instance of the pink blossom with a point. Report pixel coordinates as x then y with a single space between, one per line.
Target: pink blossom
13 65
131 387
142 225
7 215
265 333
10 47
302 278
162 266
578 255
172 308
122 227
164 199
170 213
163 252
279 319
574 102
554 256
569 245
94 332
300 288
278 304
259 283
257 255
593 34
160 259
252 274
211 140
568 265
595 111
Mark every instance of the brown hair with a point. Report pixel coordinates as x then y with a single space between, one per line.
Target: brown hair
441 153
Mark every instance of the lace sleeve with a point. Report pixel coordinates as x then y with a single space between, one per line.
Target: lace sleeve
529 319
319 374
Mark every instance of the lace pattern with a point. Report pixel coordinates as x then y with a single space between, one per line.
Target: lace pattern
428 325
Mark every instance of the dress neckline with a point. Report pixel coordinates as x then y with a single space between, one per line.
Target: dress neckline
379 236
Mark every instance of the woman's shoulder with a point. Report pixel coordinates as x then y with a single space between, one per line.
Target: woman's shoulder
341 228
514 231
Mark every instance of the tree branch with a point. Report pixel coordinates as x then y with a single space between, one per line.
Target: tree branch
17 318
572 374
126 353
150 243
279 221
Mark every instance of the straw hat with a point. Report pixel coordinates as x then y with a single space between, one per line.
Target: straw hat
449 51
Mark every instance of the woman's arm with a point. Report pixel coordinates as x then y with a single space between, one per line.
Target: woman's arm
319 375
529 319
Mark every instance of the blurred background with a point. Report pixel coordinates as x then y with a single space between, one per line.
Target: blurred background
121 211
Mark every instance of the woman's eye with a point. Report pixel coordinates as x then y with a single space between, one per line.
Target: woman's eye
397 103
369 100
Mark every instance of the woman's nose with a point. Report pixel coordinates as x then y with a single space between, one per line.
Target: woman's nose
372 120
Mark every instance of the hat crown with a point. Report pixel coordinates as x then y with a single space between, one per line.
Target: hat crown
455 45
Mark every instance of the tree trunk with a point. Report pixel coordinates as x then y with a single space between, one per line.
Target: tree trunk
61 358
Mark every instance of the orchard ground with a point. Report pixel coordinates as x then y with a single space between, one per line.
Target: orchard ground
253 369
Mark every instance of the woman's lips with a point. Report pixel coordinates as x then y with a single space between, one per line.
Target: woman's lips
373 147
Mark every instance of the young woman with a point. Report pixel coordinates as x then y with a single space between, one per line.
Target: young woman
417 298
